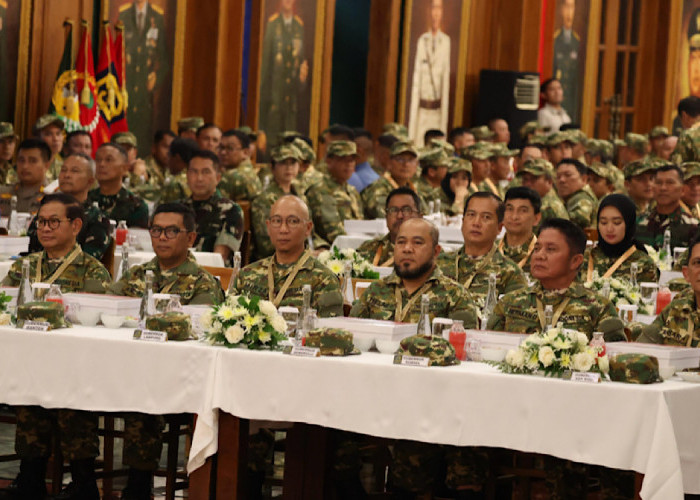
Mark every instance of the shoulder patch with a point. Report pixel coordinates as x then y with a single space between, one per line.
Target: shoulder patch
157 8
126 6
273 17
298 19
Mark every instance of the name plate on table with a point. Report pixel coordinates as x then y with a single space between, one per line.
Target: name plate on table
302 351
150 335
36 326
589 377
402 359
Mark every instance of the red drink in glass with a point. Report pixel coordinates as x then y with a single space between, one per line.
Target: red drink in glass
458 339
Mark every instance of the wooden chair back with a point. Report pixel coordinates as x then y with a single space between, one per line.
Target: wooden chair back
223 273
108 257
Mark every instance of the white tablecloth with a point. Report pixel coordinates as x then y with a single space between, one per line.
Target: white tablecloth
203 258
5 266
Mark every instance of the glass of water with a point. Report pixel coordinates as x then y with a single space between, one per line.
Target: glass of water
648 291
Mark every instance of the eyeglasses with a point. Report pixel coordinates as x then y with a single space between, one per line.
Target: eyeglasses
229 149
291 221
405 210
170 231
53 222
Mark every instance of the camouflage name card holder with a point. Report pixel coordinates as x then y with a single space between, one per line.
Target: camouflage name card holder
42 312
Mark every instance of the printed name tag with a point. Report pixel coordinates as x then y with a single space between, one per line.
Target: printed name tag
36 326
590 377
402 359
305 352
150 335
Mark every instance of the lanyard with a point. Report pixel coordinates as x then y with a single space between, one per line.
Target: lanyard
557 313
691 328
620 260
395 184
401 311
527 255
478 269
271 279
67 262
378 256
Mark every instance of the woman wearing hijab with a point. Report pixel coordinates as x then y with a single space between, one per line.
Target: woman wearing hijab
617 249
455 186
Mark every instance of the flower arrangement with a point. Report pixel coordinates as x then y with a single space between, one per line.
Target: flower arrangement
555 352
621 292
335 260
659 258
244 321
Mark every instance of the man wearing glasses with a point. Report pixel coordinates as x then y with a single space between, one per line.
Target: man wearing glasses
240 180
401 204
62 262
175 271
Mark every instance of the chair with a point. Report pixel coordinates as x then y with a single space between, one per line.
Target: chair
108 257
592 233
223 273
247 240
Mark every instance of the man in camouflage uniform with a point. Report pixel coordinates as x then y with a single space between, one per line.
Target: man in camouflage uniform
478 154
558 146
667 213
472 264
175 184
60 220
482 133
308 175
521 216
690 199
8 142
600 180
187 127
657 137
639 183
538 174
32 165
382 153
415 465
402 169
174 271
333 200
240 180
113 198
434 161
572 177
76 178
49 128
401 204
136 168
156 168
634 147
501 169
219 220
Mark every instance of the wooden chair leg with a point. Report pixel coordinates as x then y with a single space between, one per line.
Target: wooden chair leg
108 457
173 442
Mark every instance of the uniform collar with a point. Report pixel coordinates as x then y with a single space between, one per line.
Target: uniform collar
393 279
187 267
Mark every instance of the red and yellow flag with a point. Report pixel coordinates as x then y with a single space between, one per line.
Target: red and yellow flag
119 123
86 87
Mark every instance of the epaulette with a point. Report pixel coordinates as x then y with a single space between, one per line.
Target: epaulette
298 19
126 6
273 17
157 8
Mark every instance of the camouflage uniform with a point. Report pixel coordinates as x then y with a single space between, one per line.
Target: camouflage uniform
241 183
647 270
175 187
124 205
143 440
309 178
639 167
517 253
426 191
325 286
368 250
475 271
436 156
581 207
671 326
35 425
219 222
8 174
586 312
94 238
151 188
688 147
552 206
651 226
28 199
374 196
331 204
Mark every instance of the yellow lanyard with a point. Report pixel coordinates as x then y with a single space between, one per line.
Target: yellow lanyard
557 313
527 255
401 311
378 256
493 187
67 262
478 268
271 279
691 327
395 184
620 260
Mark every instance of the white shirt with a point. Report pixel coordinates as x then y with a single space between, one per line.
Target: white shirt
551 118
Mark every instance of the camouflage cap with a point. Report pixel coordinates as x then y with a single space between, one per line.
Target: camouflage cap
694 30
599 147
433 156
342 148
400 147
285 151
125 139
46 120
331 341
638 167
634 368
7 130
49 312
438 350
538 140
307 152
449 148
659 131
557 138
602 170
577 136
247 131
478 151
529 128
537 167
190 123
482 133
176 324
690 169
637 142
459 165
396 129
618 143
500 149
282 136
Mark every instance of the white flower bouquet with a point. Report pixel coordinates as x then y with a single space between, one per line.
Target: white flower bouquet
555 352
621 292
335 260
659 258
244 321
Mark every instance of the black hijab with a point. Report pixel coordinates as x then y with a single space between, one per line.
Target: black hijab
629 213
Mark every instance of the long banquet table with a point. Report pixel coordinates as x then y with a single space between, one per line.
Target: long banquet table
650 429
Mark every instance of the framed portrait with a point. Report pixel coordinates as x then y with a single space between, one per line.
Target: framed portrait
289 78
14 42
686 79
433 65
151 60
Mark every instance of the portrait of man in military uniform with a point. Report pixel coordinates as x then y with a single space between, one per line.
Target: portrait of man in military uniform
9 38
148 37
285 74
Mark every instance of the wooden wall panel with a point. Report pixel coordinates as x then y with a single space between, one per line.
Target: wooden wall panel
228 64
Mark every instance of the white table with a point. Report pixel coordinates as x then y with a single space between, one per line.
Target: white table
135 258
5 266
13 245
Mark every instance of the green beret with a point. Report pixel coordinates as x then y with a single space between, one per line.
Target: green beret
49 312
403 147
433 156
47 120
285 151
637 142
449 148
7 130
307 152
537 167
634 368
190 123
438 350
342 148
658 131
331 341
176 324
458 165
482 133
638 167
125 139
690 169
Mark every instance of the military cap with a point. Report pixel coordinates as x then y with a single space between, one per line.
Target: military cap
438 350
537 167
690 169
396 129
247 131
634 368
576 136
529 128
7 130
403 147
478 151
557 138
190 123
341 148
618 143
433 156
638 167
637 142
538 140
482 133
658 131
47 120
286 135
285 151
307 152
331 341
602 170
599 147
176 324
125 139
459 165
500 149
449 148
49 312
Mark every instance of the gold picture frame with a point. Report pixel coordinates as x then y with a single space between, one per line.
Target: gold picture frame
20 112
